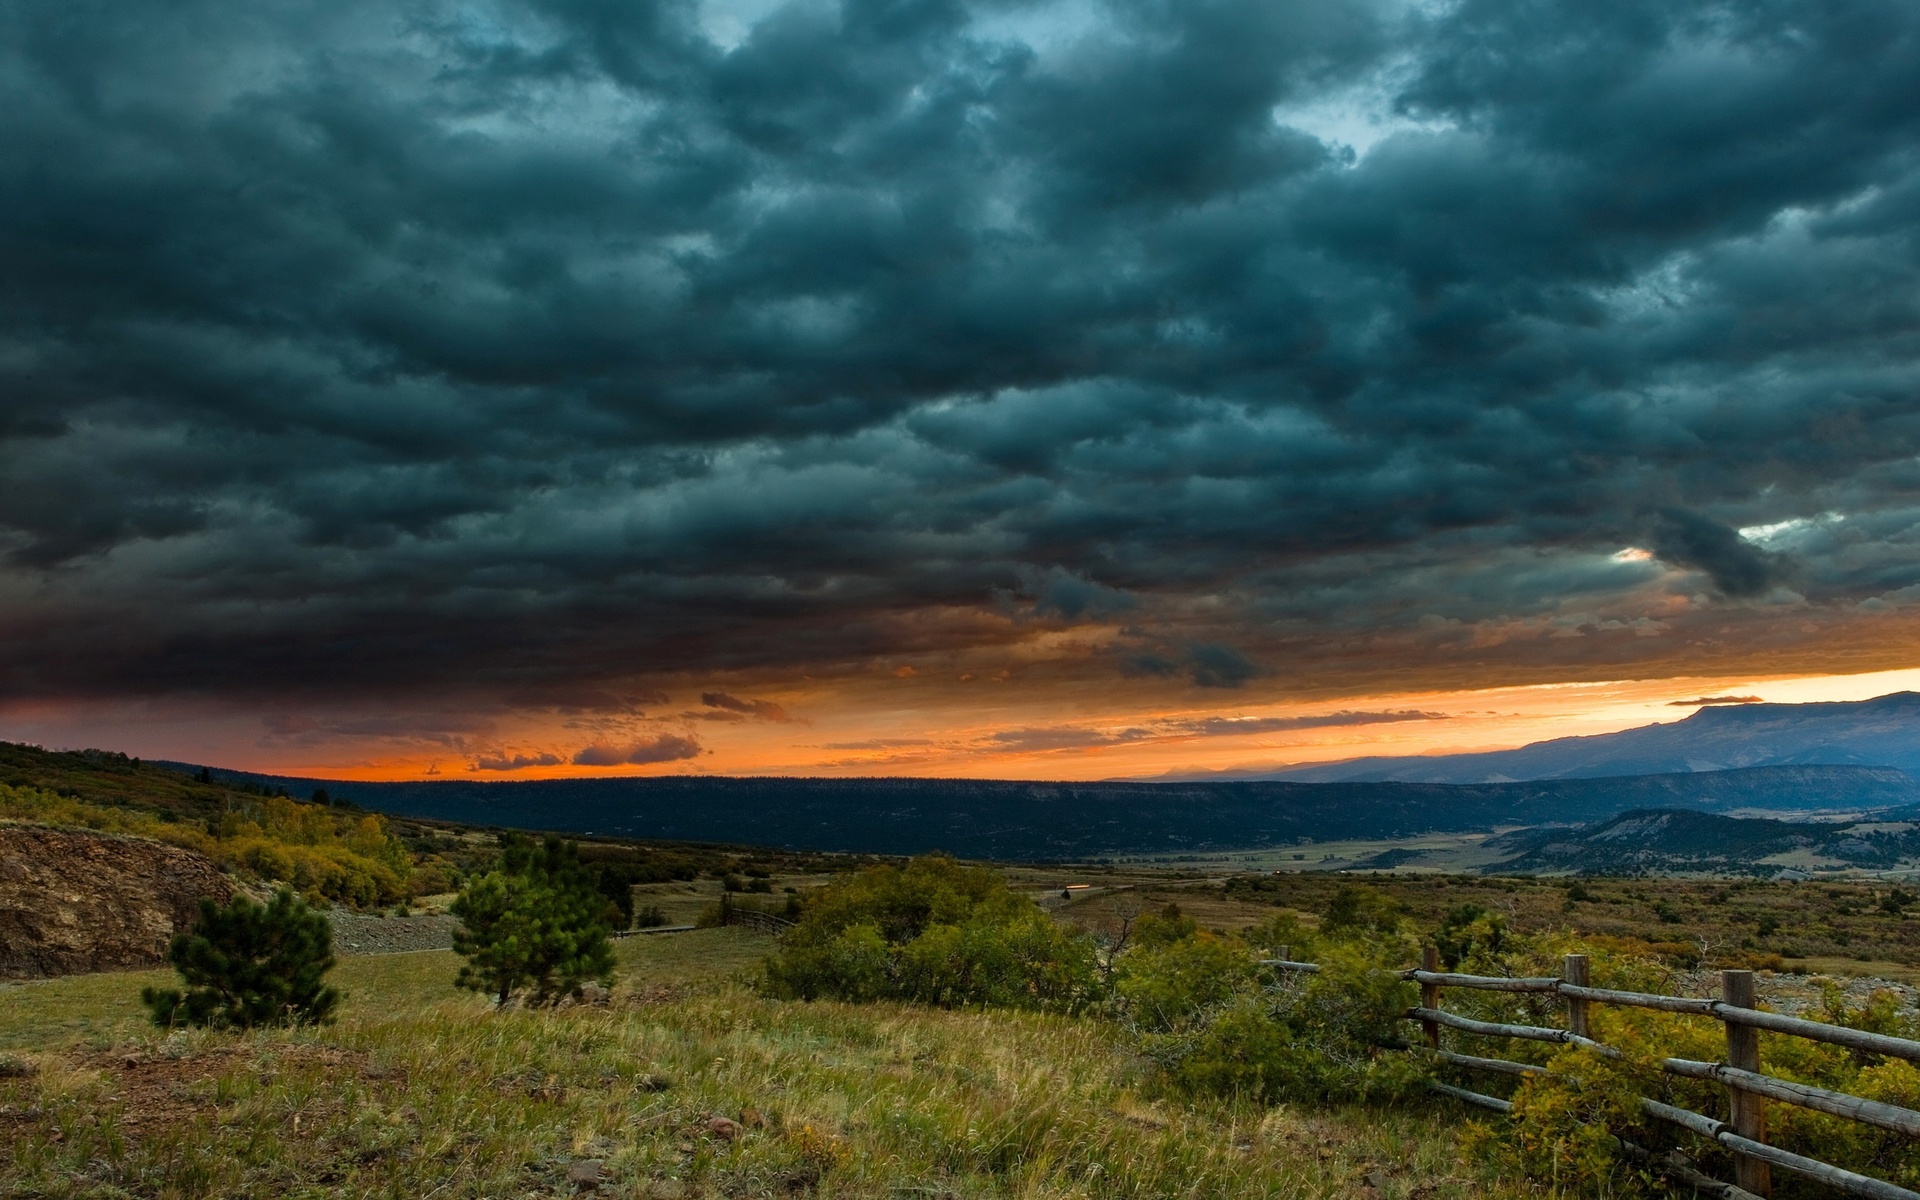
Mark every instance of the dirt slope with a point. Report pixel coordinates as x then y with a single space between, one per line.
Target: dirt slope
74 902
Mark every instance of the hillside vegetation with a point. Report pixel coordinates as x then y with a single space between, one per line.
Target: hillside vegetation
925 1029
346 857
321 844
686 1085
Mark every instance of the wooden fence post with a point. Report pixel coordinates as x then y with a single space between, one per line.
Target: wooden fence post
1430 993
1573 969
1749 1112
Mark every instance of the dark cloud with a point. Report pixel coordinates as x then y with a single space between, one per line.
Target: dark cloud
758 710
1059 593
1736 566
1077 737
516 762
532 354
1061 737
666 747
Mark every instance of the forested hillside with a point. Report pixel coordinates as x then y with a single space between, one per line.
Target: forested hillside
1028 821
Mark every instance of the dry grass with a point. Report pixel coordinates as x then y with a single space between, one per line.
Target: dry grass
1829 926
687 1085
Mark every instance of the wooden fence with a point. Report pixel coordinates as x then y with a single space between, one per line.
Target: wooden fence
754 919
1749 1088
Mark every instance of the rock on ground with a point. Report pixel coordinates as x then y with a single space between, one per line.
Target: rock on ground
74 902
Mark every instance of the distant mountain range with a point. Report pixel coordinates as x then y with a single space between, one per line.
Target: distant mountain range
1679 841
1015 821
1883 732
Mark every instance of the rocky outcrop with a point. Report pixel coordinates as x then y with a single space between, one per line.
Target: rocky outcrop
78 902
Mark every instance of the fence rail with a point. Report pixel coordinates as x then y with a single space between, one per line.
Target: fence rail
754 919
1748 1087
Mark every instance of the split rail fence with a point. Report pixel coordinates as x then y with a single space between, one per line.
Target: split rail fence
1748 1087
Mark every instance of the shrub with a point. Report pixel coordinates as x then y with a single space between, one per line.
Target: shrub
537 921
1468 930
249 964
1163 928
1167 986
936 933
1309 1037
1357 909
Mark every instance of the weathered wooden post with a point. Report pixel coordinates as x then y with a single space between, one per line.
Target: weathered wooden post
1430 993
1749 1112
1573 969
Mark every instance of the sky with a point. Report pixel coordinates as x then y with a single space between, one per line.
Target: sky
1073 389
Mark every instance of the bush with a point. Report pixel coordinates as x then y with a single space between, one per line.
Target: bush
1466 931
249 964
1163 928
1166 986
933 932
1356 909
1309 1037
537 921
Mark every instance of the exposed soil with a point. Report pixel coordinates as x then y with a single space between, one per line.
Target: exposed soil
370 933
79 902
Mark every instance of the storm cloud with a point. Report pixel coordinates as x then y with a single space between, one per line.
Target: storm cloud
570 348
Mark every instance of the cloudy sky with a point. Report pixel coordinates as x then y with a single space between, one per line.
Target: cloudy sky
1077 388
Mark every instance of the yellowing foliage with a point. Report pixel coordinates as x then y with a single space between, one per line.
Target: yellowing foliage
349 858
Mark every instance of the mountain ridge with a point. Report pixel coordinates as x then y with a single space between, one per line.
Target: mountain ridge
1883 731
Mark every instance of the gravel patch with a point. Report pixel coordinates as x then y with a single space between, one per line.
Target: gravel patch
365 933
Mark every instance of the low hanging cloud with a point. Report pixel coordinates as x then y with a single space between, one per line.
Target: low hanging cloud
755 710
1205 664
1736 566
1697 701
1078 737
516 762
1237 726
667 747
1060 594
1061 737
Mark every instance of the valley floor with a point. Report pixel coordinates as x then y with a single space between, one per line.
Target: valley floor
685 1085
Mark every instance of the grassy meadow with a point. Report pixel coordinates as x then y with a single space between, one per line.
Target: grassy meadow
686 1084
1826 926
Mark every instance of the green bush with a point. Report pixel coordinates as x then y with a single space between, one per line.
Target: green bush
1357 909
537 921
933 932
1466 931
249 964
1163 928
1166 986
1307 1037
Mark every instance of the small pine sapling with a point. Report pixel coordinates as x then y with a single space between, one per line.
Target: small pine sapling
249 964
538 921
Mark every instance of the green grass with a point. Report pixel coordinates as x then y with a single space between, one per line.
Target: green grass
419 1091
97 1010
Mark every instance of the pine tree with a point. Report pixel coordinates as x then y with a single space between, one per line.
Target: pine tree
249 964
537 921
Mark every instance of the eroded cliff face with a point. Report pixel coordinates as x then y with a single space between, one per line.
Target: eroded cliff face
77 902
